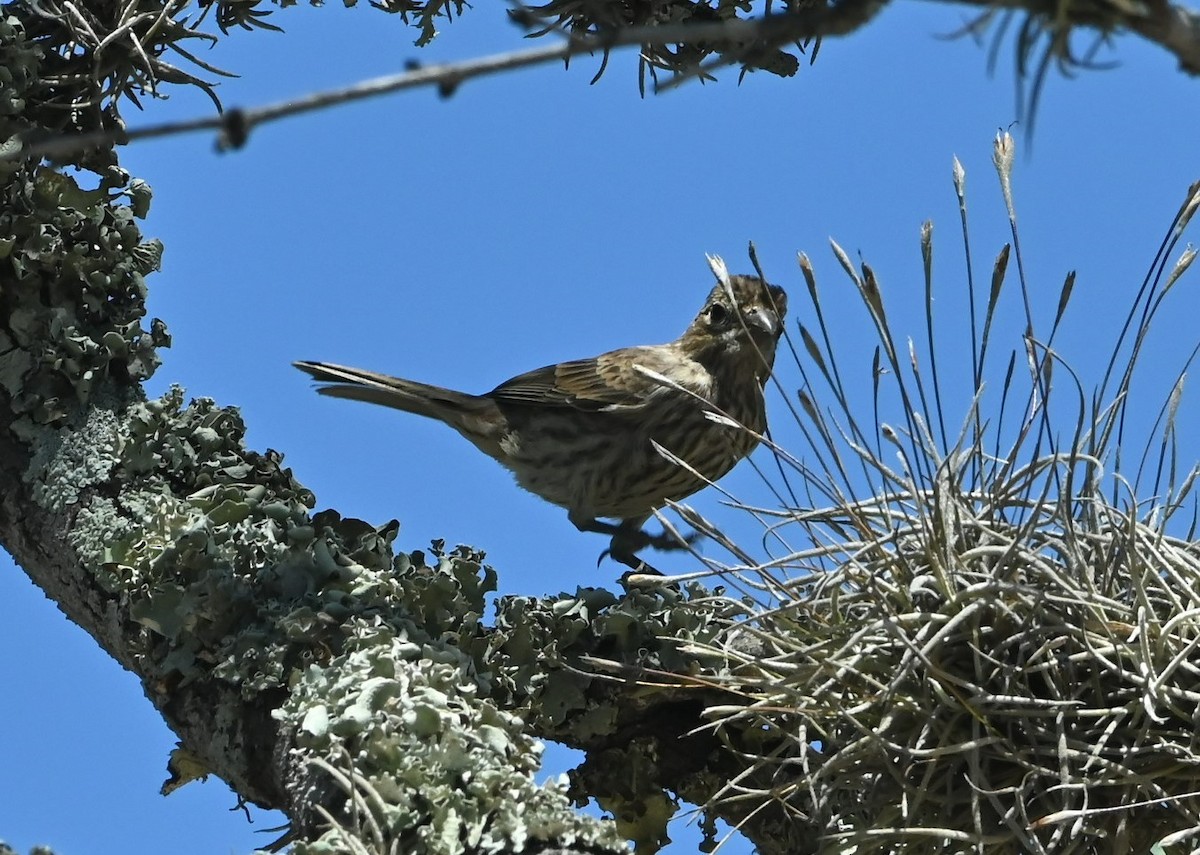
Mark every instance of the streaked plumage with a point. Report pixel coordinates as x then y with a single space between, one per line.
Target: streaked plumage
580 434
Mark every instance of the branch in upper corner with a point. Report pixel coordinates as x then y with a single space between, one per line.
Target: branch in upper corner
732 41
736 36
1174 28
1044 37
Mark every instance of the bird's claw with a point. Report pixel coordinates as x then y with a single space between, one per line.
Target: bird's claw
628 540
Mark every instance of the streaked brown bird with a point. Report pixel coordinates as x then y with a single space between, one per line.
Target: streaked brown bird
583 434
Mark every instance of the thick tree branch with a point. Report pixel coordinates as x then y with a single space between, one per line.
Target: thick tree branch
276 643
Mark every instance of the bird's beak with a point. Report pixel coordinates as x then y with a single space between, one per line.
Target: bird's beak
762 318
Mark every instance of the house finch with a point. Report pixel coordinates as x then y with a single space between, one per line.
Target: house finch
582 434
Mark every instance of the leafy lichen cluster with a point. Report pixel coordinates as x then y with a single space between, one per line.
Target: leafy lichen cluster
214 552
568 665
74 266
429 765
536 645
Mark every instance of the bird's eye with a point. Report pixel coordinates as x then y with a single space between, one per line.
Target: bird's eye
718 315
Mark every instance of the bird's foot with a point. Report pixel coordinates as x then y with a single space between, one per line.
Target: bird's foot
626 543
629 538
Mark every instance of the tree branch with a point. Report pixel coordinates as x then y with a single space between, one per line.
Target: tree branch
1175 28
235 125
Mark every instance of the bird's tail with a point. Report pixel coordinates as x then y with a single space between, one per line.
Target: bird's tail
458 409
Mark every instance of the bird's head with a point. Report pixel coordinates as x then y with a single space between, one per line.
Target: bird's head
742 320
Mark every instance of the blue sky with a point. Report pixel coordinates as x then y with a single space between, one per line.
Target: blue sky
533 218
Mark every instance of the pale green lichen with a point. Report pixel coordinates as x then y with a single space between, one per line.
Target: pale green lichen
68 461
541 655
72 262
223 546
445 768
648 629
215 549
74 293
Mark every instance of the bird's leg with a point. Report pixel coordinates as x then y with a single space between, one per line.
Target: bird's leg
628 538
594 525
633 537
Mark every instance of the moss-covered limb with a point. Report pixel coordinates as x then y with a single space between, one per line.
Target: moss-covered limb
81 475
276 643
196 563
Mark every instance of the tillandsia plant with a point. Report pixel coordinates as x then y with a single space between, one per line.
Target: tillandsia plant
975 632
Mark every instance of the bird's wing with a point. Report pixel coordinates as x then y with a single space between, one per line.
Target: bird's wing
607 382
